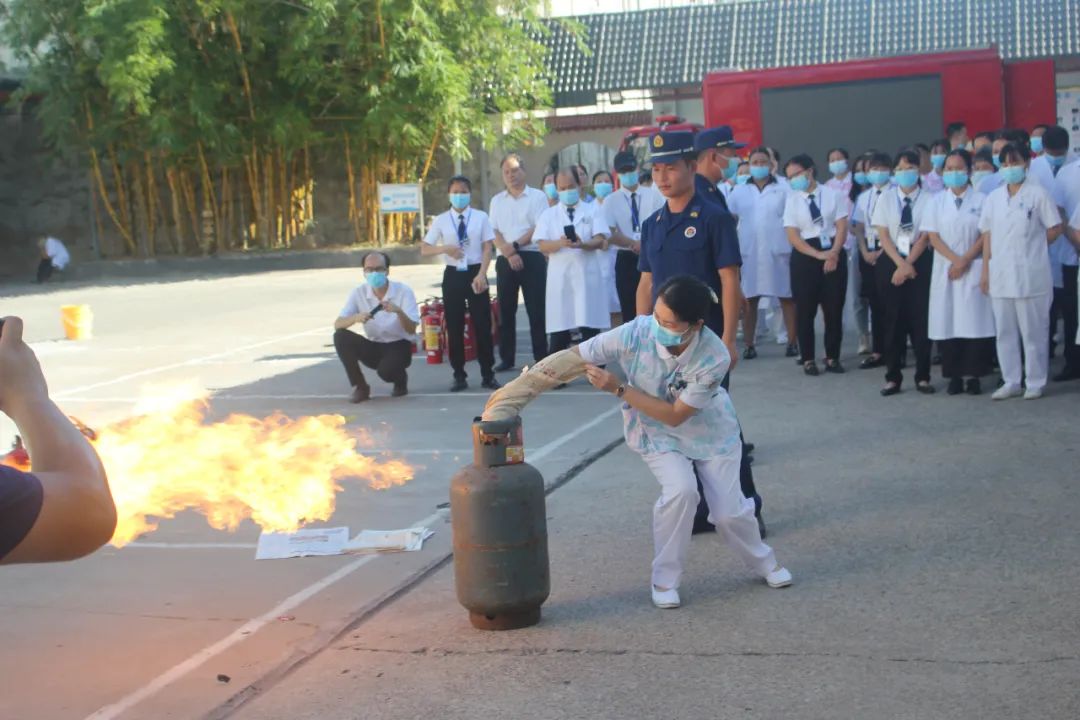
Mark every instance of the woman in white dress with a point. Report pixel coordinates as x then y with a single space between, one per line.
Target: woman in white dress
603 185
766 252
571 234
961 317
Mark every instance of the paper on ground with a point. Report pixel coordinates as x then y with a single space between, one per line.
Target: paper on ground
373 541
302 543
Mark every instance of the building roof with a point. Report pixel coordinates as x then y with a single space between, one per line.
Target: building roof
675 47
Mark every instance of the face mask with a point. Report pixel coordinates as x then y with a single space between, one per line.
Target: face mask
569 197
628 179
460 201
732 168
878 177
551 191
760 172
838 167
603 189
377 279
954 178
1036 144
906 178
667 338
1056 161
997 162
938 161
742 179
1013 174
978 176
861 178
799 183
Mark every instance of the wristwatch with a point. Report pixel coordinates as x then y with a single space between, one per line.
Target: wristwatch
516 246
620 391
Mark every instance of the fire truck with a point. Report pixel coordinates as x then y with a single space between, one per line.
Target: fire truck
636 139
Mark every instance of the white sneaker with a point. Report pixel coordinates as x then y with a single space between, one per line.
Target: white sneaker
779 577
1033 394
1005 392
665 599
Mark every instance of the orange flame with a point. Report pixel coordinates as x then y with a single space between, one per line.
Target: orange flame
279 472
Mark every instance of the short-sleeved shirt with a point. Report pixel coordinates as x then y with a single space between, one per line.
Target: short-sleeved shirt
864 211
709 192
57 252
693 377
512 216
384 327
797 213
21 496
444 231
588 222
1019 253
889 212
619 214
1066 194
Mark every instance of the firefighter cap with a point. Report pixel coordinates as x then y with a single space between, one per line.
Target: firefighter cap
667 147
717 137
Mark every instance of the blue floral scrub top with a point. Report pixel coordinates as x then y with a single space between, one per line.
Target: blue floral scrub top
693 377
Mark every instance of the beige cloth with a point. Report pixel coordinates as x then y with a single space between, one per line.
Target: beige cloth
508 401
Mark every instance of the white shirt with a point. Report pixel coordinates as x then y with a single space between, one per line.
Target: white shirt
588 222
797 214
843 190
57 253
512 216
887 215
990 184
1066 194
864 211
444 231
384 326
617 212
1019 253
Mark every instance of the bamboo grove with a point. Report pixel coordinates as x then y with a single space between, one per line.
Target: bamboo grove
206 125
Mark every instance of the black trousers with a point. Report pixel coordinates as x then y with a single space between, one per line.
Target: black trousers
869 290
44 270
812 287
458 296
1069 312
388 360
531 281
966 357
627 276
561 340
907 314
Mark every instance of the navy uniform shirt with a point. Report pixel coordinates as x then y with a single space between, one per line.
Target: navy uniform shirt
698 242
709 191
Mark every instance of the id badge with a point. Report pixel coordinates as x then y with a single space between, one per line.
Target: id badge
903 242
871 242
826 242
463 265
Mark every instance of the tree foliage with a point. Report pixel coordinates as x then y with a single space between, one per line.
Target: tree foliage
199 119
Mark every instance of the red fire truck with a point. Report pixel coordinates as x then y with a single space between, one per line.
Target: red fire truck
636 139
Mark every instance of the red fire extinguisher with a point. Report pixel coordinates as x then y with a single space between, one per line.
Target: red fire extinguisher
432 317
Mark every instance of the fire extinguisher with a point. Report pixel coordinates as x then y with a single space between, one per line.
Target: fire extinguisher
433 321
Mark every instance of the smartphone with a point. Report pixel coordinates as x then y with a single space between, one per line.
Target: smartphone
375 310
570 233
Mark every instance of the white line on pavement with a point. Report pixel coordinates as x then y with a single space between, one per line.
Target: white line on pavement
109 712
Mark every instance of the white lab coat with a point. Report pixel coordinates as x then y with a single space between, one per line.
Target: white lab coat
577 295
766 252
1019 253
958 308
607 265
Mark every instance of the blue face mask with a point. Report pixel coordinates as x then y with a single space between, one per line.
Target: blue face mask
760 172
799 183
628 179
732 168
551 191
1036 144
906 178
997 161
1056 161
460 201
377 279
838 167
861 178
603 189
878 177
742 179
938 161
569 197
1013 174
978 176
954 178
667 338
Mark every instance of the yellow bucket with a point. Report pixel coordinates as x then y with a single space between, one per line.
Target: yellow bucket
78 321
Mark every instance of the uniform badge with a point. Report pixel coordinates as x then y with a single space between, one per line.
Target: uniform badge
690 232
657 141
694 214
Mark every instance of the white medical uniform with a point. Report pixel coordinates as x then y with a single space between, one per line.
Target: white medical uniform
576 293
766 252
607 265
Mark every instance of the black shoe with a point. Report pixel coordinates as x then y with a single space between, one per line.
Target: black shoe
504 366
702 525
810 368
925 388
749 353
490 383
974 387
401 389
792 350
956 386
834 366
458 385
871 362
360 393
890 389
1067 373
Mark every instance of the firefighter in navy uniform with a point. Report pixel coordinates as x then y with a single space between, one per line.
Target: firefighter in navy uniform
690 235
716 162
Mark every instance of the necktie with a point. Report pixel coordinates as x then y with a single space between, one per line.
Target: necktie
570 214
462 234
635 219
815 212
906 221
959 202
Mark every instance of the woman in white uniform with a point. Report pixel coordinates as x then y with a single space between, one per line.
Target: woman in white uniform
878 174
961 319
766 252
573 235
603 186
680 419
1020 221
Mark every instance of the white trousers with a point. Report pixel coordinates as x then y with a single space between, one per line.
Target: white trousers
673 514
1023 321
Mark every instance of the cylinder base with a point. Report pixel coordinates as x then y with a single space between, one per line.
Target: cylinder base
505 621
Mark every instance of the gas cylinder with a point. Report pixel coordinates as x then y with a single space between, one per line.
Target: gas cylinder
432 321
498 517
